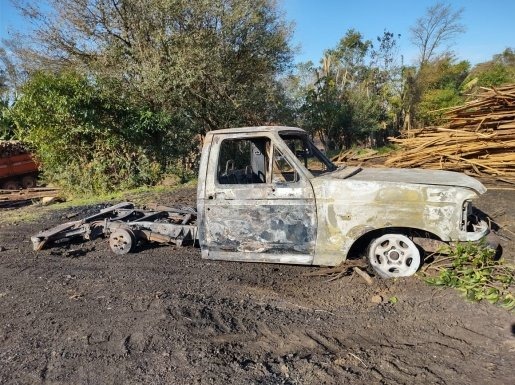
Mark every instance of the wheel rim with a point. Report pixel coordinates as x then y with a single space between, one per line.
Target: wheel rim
394 255
121 241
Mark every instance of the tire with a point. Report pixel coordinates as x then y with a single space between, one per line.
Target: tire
394 255
11 185
122 241
28 181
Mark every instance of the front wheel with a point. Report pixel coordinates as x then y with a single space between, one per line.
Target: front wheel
394 255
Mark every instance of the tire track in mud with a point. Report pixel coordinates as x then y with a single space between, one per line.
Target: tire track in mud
249 341
164 316
428 355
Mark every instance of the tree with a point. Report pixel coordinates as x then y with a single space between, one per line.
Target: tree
500 70
440 25
213 62
387 81
160 72
433 34
346 98
439 84
87 142
350 55
6 124
325 111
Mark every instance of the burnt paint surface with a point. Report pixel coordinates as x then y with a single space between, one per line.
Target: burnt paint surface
348 209
317 220
259 227
274 222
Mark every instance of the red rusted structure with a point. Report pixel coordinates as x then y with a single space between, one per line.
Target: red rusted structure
18 171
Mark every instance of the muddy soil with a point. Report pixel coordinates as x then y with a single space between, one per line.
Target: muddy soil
81 315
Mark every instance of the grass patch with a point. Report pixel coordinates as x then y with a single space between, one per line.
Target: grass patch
139 196
22 214
384 150
472 269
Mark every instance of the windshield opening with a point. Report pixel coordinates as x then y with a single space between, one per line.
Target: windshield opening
310 156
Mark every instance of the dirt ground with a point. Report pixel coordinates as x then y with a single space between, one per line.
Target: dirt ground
82 315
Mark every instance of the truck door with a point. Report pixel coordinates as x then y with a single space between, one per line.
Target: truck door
257 206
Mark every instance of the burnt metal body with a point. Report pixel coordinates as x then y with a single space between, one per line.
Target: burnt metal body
163 225
317 217
267 194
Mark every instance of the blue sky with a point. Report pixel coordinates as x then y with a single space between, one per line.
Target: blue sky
319 24
8 17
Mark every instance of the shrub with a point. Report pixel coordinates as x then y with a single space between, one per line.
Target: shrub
473 270
87 141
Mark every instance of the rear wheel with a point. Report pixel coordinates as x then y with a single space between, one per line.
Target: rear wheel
394 255
28 181
122 241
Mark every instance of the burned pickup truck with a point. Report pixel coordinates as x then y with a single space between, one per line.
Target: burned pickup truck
267 194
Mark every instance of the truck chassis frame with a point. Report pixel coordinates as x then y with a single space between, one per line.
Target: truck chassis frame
125 226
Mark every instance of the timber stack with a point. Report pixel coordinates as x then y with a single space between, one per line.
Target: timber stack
17 167
478 139
10 148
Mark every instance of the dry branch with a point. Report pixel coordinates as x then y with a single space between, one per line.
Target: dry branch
478 138
15 197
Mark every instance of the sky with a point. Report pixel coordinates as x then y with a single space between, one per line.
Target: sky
319 24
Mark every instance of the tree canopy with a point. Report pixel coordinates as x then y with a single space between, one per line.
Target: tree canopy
440 25
116 93
201 65
212 62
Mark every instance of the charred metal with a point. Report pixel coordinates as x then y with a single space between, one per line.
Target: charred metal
267 194
126 226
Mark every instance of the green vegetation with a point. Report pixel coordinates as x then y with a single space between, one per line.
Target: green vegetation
440 85
386 149
473 270
116 95
86 141
344 100
6 124
498 71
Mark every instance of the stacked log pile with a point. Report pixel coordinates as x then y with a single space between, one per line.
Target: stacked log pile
355 154
10 198
478 139
10 148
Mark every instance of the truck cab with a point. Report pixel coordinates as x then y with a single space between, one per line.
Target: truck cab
267 194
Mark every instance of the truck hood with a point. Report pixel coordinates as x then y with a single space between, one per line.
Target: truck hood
408 176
